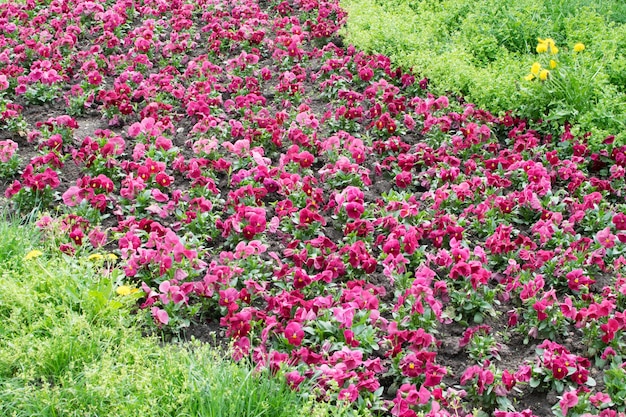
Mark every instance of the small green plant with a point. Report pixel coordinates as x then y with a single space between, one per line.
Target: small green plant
11 118
40 93
472 305
563 85
480 343
614 378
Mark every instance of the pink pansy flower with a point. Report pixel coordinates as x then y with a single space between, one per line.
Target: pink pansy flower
72 196
606 238
146 126
349 394
354 210
576 279
160 316
609 329
294 333
241 348
228 298
294 379
569 400
7 150
599 399
4 82
485 377
97 237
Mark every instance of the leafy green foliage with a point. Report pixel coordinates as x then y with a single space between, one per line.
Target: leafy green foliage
614 380
482 51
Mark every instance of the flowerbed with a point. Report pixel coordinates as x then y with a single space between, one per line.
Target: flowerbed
408 254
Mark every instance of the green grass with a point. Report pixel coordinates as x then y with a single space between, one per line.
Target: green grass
483 50
69 347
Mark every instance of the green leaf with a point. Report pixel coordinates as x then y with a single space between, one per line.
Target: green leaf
478 318
590 382
559 386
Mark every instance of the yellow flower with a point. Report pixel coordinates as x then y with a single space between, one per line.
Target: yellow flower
33 254
111 257
579 47
542 48
124 290
529 77
546 45
543 74
535 68
95 257
552 64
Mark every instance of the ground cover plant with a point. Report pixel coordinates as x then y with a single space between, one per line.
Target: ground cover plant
384 248
484 50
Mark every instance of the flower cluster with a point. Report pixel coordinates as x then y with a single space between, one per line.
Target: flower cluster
548 47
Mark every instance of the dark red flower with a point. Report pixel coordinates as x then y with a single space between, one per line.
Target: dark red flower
301 279
619 220
366 74
308 216
559 369
580 376
248 232
392 247
412 366
354 210
163 179
404 179
77 236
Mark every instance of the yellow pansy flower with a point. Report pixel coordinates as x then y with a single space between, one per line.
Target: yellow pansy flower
546 45
33 254
124 290
535 68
